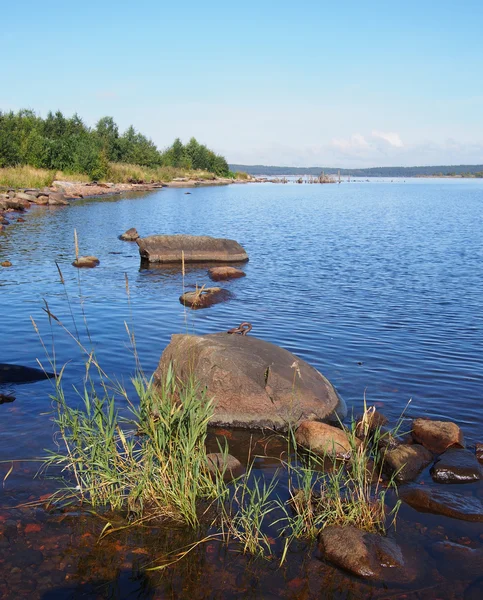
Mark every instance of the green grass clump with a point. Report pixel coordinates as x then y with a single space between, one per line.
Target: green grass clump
152 466
26 177
325 492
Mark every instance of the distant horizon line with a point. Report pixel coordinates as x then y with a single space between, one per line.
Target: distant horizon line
454 166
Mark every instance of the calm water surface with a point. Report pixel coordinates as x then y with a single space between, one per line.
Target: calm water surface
378 285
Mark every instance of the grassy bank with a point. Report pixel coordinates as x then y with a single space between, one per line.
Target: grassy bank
30 177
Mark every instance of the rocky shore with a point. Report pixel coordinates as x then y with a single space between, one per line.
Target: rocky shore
15 201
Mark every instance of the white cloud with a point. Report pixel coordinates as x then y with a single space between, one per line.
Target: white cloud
356 141
390 137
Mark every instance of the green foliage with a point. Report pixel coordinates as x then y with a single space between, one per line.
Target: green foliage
67 144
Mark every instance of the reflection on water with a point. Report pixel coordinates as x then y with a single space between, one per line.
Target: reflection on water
380 287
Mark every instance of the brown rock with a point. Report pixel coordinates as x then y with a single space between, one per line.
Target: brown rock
456 466
253 383
406 461
6 263
479 452
86 261
204 297
217 461
437 436
442 502
131 235
364 554
41 200
323 439
196 248
221 273
20 220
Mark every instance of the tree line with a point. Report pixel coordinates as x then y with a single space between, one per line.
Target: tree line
68 144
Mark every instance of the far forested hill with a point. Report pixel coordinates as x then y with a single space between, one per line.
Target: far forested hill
454 170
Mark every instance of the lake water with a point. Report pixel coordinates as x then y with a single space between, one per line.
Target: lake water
378 285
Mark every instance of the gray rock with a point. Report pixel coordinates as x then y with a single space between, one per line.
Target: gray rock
24 196
57 199
456 466
253 383
196 248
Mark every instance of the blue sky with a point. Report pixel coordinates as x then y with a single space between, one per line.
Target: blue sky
308 83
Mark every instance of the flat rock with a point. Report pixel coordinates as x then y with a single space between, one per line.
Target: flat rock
253 383
406 461
323 439
195 248
204 297
456 466
24 196
437 436
442 502
86 262
364 554
222 273
131 235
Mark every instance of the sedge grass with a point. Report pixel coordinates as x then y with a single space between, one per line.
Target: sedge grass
26 177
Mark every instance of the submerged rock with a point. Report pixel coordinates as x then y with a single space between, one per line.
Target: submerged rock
456 466
253 383
406 461
441 502
364 554
204 297
131 235
88 262
57 199
437 436
194 248
6 398
18 374
323 439
217 461
221 273
479 452
460 559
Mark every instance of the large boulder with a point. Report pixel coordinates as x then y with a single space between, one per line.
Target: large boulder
253 383
196 248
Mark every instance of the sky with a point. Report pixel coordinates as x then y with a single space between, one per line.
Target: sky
308 83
